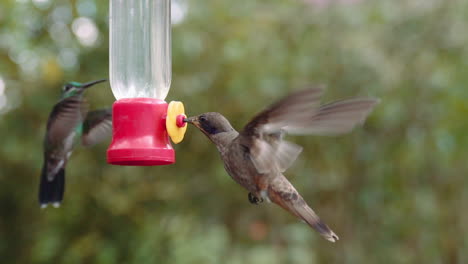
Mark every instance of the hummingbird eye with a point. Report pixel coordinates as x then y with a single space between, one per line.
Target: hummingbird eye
202 118
66 88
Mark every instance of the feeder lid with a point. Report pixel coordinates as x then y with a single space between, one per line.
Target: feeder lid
175 124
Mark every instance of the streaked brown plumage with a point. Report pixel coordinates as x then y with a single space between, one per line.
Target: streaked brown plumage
257 156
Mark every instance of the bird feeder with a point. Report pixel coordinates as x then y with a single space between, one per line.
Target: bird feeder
140 78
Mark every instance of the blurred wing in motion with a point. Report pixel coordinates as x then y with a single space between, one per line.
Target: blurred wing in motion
278 155
64 118
336 118
97 127
268 150
296 110
300 113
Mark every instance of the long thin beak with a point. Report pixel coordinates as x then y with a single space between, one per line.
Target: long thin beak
192 120
86 85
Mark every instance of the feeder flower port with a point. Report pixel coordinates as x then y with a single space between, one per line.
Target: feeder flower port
140 78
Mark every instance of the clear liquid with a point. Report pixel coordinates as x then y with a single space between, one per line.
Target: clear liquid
140 48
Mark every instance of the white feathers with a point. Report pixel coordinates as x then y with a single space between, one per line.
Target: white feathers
53 169
55 205
264 195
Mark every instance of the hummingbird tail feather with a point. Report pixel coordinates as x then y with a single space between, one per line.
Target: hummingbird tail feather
311 218
292 201
51 191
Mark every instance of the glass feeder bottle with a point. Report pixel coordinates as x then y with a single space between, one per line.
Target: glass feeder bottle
140 78
140 48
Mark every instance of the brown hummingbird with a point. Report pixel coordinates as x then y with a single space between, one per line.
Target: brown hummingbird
257 156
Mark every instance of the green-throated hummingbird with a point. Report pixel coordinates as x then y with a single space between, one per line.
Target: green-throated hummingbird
68 122
257 156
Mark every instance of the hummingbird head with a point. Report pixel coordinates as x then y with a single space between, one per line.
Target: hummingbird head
74 88
215 126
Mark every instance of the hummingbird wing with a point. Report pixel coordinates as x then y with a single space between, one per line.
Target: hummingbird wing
64 118
294 110
336 118
281 192
300 113
271 155
97 127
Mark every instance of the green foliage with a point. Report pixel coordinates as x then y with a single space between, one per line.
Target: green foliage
394 190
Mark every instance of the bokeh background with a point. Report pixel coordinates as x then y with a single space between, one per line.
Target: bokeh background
394 190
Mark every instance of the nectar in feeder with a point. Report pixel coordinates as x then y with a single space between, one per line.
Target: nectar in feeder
140 77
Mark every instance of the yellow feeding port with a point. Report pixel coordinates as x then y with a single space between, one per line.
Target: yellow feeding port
175 124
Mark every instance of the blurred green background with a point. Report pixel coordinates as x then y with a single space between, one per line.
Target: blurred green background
394 190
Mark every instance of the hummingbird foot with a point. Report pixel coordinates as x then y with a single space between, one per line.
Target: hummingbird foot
254 199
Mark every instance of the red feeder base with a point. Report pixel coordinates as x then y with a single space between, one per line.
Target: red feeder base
139 136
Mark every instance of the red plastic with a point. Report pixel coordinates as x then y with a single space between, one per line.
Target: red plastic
139 136
180 121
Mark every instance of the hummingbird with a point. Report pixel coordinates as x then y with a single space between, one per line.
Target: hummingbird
257 156
69 122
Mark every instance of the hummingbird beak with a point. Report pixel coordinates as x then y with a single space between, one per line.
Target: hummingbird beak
86 85
192 120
